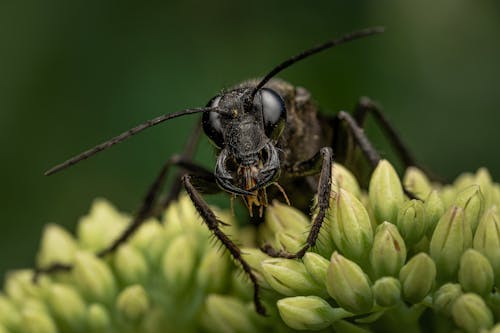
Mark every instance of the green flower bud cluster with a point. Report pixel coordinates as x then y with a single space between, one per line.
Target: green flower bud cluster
170 276
383 263
393 258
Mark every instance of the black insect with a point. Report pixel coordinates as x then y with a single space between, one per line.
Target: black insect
265 131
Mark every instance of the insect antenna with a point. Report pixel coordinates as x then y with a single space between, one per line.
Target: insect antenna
125 135
318 48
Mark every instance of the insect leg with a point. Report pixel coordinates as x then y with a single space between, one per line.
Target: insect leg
213 225
146 210
365 106
364 143
320 163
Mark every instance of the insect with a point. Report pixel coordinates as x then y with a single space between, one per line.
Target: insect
269 139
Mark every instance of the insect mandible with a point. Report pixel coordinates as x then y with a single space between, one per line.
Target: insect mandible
269 139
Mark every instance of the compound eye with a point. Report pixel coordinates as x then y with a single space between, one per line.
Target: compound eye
212 125
273 112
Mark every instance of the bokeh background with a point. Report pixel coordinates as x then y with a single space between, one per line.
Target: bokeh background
73 73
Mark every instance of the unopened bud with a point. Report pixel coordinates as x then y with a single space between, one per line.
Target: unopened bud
34 321
386 193
280 218
98 319
130 265
475 273
57 245
388 253
19 285
213 270
343 178
350 226
290 278
150 240
471 200
291 242
417 277
316 266
487 239
433 210
464 180
94 278
132 303
101 226
445 296
178 263
451 238
387 291
226 314
417 183
471 313
348 285
483 179
67 307
309 312
9 315
411 222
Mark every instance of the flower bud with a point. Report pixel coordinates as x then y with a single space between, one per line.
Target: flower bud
348 285
411 223
309 312
94 278
483 179
35 321
130 265
289 277
132 303
387 291
213 271
316 266
19 285
291 242
226 314
280 217
475 273
471 313
487 239
471 200
417 183
417 277
98 319
386 192
57 245
350 226
433 210
9 315
450 239
67 307
343 178
101 226
464 180
178 263
445 296
448 194
150 240
388 253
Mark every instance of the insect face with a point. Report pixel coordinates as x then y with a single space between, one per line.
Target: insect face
246 134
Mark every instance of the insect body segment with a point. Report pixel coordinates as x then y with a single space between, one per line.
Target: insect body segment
246 134
264 131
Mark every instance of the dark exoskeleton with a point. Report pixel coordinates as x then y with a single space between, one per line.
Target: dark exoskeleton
270 140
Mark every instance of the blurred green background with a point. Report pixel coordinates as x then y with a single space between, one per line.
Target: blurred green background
73 73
